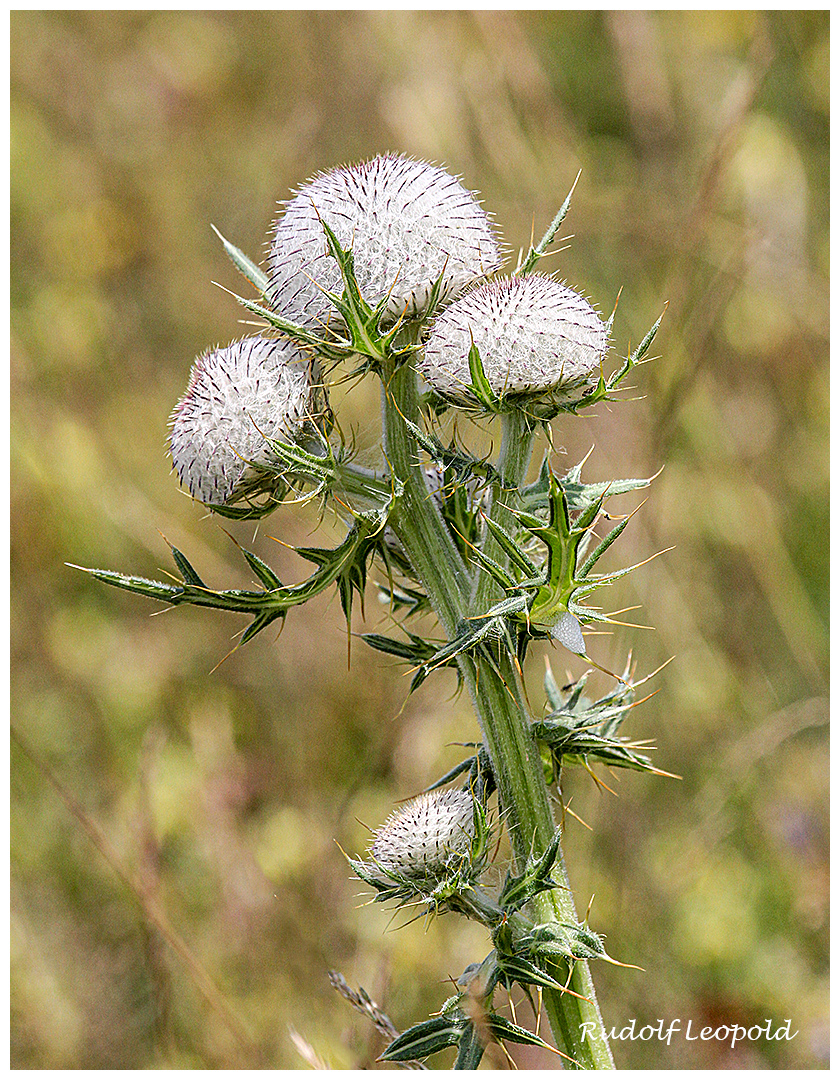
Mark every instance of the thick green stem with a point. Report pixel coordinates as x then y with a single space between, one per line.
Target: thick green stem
514 458
417 520
576 1023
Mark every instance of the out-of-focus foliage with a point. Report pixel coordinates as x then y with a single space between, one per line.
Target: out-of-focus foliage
703 141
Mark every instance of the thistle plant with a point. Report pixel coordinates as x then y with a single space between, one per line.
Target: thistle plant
385 271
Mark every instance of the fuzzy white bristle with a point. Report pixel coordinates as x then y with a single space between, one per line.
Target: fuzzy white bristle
428 836
239 397
532 334
406 221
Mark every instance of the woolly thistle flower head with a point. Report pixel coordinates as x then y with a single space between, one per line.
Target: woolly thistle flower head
407 223
239 397
428 837
532 333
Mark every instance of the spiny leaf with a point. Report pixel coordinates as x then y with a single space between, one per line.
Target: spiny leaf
331 349
471 1048
608 540
264 572
260 623
187 571
155 590
511 548
415 651
536 253
507 1030
520 889
425 1038
472 632
244 265
526 973
463 466
453 774
340 565
646 341
579 496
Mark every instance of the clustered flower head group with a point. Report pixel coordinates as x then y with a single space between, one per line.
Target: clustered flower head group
423 248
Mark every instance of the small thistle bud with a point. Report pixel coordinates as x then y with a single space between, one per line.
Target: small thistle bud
428 837
532 333
239 397
408 223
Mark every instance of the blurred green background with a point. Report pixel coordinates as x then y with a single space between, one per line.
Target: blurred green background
703 143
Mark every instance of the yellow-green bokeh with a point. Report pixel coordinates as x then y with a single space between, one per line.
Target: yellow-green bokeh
703 143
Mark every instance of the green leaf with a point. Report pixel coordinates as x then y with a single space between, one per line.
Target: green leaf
646 341
552 690
264 572
343 565
607 542
463 465
465 766
497 572
519 889
526 973
415 651
260 623
581 732
401 596
585 944
187 572
244 265
535 497
470 1049
605 387
473 632
434 295
536 253
425 1038
154 590
331 349
507 1030
361 320
511 548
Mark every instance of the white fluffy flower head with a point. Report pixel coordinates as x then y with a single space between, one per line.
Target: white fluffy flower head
239 397
427 837
406 221
533 335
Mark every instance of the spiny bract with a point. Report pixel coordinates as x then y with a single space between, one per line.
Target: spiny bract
407 223
239 397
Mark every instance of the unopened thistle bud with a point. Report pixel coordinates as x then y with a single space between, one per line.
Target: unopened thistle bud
428 837
408 223
533 335
239 398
